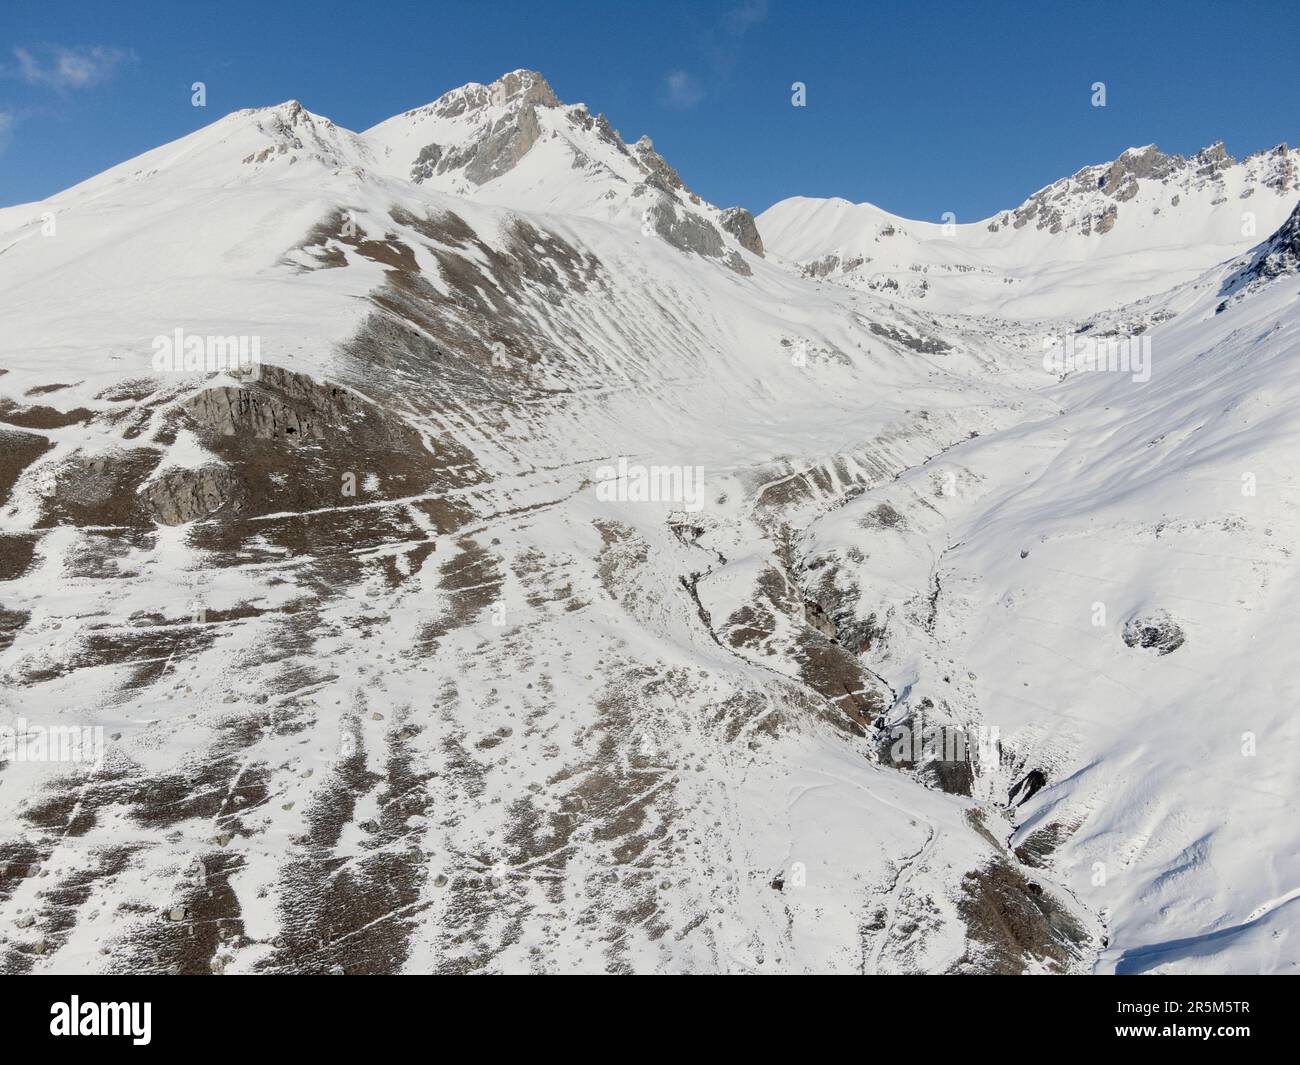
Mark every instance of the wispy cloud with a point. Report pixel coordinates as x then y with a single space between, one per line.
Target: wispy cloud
682 90
722 43
739 19
6 126
68 68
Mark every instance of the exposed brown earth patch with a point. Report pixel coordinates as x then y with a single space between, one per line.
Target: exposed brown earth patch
39 417
1011 921
354 914
16 553
17 452
185 937
1037 849
99 489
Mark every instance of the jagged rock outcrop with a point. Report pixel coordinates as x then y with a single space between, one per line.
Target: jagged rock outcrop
659 174
831 264
503 141
1281 252
1277 168
740 224
598 124
521 88
177 496
284 406
692 233
292 133
815 616
1155 631
1069 205
1278 256
924 344
687 232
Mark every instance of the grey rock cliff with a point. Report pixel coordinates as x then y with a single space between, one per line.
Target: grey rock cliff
740 223
178 496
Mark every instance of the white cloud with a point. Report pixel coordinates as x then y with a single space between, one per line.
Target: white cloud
722 44
69 68
682 89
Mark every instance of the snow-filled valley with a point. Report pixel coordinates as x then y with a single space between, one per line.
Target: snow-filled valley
572 575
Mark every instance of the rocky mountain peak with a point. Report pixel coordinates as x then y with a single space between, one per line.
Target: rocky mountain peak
527 87
559 155
1090 200
499 121
517 90
1274 168
658 172
291 132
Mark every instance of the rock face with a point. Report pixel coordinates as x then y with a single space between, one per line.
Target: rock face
1280 172
831 264
474 135
1063 205
691 233
1281 254
659 174
293 133
178 496
426 163
287 406
740 224
815 616
503 141
686 232
1154 631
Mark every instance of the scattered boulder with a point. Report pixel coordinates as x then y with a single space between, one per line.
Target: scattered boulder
1154 631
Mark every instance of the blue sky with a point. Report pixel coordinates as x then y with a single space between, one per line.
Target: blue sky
918 107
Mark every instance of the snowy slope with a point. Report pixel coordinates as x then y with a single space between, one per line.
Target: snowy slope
1168 504
389 680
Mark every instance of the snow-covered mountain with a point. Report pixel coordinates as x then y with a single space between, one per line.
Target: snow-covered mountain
513 143
1109 234
478 553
